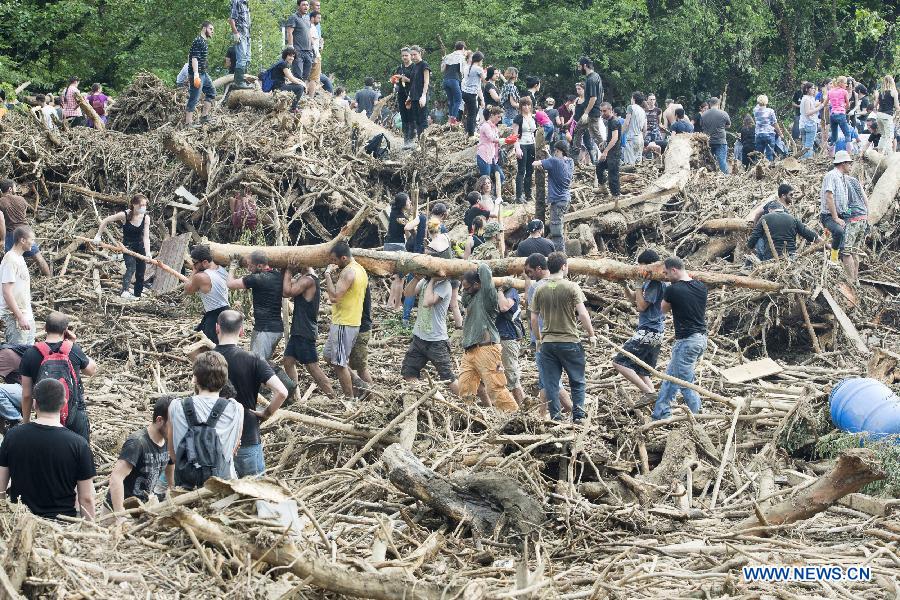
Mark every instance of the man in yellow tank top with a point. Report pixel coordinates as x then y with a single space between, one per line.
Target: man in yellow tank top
347 297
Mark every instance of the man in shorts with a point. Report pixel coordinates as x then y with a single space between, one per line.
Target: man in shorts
857 225
347 297
301 347
430 341
647 339
359 356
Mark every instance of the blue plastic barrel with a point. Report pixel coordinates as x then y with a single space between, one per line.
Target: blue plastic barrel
865 406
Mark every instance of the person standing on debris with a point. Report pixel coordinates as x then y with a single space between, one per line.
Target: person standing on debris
483 357
856 228
809 118
453 67
472 92
211 282
366 97
135 237
59 346
13 213
402 79
240 31
198 59
315 34
538 275
70 108
560 170
98 101
359 355
535 242
589 121
301 347
297 35
347 296
647 339
523 128
783 229
395 241
224 416
635 129
838 103
430 340
142 461
556 303
418 90
834 199
509 96
15 302
611 157
886 106
511 330
685 298
767 127
248 373
713 122
487 158
265 284
51 468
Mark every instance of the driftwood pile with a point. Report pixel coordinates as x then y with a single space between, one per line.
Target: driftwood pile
412 493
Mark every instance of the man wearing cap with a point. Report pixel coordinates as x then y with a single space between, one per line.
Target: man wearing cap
535 242
833 200
492 247
783 228
560 169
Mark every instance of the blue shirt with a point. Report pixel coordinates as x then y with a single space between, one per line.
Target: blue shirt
652 319
681 126
559 178
509 322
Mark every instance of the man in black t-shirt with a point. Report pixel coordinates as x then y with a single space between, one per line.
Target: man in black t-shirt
142 460
301 347
57 328
51 468
247 373
611 157
265 283
420 80
685 298
535 242
198 77
590 119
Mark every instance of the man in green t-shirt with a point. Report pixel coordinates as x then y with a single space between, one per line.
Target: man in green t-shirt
556 304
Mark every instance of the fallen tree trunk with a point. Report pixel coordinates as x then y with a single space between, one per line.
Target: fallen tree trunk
725 225
89 112
120 200
854 468
378 262
184 152
252 99
885 191
316 571
478 500
675 177
17 556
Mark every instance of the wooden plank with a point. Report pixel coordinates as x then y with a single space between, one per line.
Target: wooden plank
845 322
191 199
171 253
189 207
752 370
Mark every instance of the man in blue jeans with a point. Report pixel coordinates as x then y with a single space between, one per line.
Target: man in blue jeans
247 373
714 123
555 304
240 30
198 64
685 298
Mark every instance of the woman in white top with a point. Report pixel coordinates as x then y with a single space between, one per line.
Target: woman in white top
452 67
472 92
524 126
809 118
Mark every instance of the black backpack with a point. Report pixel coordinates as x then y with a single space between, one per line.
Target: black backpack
199 455
378 146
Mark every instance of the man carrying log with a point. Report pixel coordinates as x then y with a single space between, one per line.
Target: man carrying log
301 347
248 373
265 284
560 169
685 298
198 64
556 304
783 229
211 282
482 357
347 297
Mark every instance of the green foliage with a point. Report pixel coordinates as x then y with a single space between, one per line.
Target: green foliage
690 48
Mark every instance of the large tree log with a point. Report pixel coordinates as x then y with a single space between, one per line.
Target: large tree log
252 99
725 225
675 177
854 468
107 198
316 571
186 153
478 500
378 262
89 112
882 197
17 556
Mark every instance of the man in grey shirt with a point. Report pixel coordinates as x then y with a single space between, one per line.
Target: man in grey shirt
430 342
366 97
297 34
714 123
634 128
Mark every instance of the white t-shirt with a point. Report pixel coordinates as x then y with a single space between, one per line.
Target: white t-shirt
47 113
315 41
14 270
342 103
228 427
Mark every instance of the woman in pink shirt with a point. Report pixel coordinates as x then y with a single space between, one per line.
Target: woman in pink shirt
488 157
838 102
71 109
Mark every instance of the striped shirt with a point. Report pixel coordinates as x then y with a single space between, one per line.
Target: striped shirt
240 13
200 51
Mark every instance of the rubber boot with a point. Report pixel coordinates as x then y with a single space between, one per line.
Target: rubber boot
239 83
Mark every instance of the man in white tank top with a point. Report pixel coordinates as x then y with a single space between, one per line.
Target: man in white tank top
211 282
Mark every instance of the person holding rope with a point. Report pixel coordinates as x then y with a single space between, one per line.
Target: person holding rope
135 237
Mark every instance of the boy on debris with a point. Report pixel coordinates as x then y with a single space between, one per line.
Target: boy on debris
301 347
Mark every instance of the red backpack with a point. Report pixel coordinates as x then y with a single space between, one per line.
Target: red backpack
56 365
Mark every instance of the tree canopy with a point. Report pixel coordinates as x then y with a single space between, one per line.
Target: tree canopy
689 48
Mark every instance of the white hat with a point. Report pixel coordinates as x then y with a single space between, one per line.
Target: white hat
842 156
